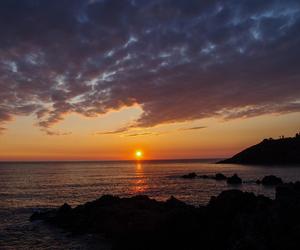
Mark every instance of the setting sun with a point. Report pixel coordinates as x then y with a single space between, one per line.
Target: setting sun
138 154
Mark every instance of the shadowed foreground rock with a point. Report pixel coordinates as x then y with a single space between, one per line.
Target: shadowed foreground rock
271 180
233 220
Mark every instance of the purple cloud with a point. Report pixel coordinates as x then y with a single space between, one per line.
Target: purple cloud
179 60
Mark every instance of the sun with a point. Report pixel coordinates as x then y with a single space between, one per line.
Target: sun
138 154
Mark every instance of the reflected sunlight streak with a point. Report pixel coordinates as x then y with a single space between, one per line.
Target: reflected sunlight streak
139 184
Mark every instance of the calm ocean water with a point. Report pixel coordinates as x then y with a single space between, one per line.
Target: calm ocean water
25 187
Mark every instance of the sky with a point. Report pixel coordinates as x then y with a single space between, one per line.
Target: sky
98 79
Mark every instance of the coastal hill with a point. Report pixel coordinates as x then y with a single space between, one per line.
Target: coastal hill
270 151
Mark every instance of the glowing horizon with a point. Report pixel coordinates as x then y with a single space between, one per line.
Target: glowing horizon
214 139
96 80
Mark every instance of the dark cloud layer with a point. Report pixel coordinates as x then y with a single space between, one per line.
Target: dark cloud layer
180 60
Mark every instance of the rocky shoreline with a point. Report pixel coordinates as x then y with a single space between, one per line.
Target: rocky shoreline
268 180
233 220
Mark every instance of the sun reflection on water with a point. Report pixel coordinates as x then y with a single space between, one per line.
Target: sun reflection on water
140 182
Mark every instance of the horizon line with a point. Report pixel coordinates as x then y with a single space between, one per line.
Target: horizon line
112 161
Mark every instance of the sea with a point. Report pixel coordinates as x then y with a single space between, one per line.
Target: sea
29 187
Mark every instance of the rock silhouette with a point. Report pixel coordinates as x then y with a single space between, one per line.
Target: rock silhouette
270 151
268 180
205 176
220 177
232 220
189 176
271 180
235 179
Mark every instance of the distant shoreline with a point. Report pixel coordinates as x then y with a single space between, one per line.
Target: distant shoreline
283 151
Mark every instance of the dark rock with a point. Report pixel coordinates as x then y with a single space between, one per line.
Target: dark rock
65 208
258 182
235 179
271 180
43 215
231 202
190 176
204 176
288 193
172 202
220 177
233 220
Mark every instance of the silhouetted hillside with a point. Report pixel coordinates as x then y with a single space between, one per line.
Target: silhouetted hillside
270 151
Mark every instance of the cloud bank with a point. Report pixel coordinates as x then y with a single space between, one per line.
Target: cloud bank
179 60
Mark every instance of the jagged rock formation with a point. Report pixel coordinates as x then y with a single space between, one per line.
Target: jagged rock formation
233 220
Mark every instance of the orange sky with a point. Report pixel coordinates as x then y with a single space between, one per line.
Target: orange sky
95 80
86 139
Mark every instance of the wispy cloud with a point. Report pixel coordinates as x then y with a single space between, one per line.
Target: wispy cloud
56 133
112 132
2 130
193 128
143 134
126 133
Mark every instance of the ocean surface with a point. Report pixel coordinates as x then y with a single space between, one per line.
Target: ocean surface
26 187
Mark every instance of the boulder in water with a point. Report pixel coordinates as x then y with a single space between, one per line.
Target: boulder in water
189 176
220 177
235 179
